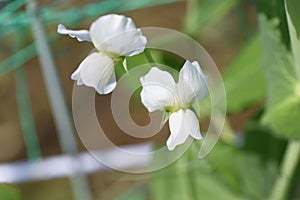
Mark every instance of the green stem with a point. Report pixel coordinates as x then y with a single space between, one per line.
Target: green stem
289 164
149 57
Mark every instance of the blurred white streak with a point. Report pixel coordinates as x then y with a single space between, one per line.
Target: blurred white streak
62 166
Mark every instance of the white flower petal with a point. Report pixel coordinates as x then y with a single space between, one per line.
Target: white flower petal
182 124
76 76
192 83
97 71
159 90
117 35
80 35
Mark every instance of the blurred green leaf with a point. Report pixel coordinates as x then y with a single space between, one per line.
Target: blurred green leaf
284 118
275 9
202 13
221 181
9 193
243 172
259 140
292 9
278 63
283 99
293 18
172 182
227 173
244 79
270 149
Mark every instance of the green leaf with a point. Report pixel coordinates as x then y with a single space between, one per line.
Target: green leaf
244 79
172 182
284 118
293 18
224 176
278 63
227 173
292 10
9 192
270 149
275 9
283 96
260 140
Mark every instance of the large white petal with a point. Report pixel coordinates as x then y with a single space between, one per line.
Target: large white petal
117 35
182 124
192 84
80 35
159 90
97 71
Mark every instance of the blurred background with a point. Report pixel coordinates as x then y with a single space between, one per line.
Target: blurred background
249 40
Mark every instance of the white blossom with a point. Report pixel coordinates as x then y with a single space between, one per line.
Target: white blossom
113 36
161 92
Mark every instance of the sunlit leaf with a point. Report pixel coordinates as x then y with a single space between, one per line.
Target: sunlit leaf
283 97
284 118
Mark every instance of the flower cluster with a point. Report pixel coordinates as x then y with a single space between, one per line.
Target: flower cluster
115 37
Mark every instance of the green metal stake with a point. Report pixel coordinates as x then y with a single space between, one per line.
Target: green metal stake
26 117
24 107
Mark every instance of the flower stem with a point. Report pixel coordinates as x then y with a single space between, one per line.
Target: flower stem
288 167
149 57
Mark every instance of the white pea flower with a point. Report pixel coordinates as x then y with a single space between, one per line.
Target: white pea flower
160 92
113 36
